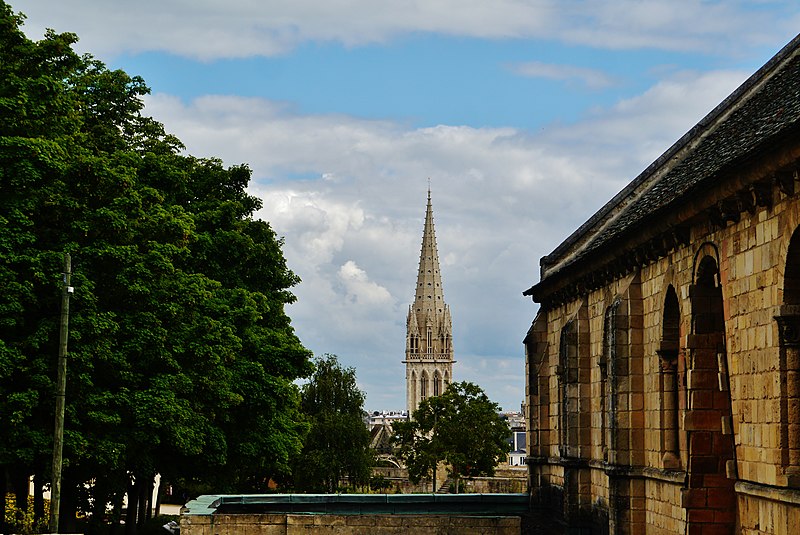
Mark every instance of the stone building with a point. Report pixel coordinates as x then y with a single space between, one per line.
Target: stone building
429 330
663 366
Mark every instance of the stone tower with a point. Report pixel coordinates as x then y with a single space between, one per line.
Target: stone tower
429 330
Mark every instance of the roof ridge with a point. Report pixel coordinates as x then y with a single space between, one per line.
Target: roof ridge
683 144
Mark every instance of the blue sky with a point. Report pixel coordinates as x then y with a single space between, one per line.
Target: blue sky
430 79
526 115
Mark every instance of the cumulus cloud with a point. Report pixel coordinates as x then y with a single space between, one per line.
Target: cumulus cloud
348 193
209 29
319 224
502 198
635 131
360 290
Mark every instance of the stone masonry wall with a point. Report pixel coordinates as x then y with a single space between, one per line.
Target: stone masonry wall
734 395
294 524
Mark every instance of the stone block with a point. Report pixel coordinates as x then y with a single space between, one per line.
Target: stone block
702 379
701 399
716 480
390 521
730 469
702 420
717 529
700 443
693 498
704 464
700 516
417 521
265 529
721 498
299 520
361 520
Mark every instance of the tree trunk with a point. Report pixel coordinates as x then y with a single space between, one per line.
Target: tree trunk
143 500
19 482
69 502
116 515
38 498
20 488
100 496
3 489
151 486
133 507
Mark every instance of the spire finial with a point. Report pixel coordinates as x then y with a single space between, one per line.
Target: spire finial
429 188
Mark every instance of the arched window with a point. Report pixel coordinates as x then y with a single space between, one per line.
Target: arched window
412 393
789 338
608 383
568 390
423 386
668 357
437 383
708 413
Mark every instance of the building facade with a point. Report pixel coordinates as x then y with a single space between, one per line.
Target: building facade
429 330
663 366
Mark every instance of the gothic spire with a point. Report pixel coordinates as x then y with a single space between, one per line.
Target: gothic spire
429 337
429 299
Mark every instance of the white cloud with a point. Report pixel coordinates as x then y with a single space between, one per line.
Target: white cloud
502 199
591 78
361 290
318 223
637 130
348 193
209 29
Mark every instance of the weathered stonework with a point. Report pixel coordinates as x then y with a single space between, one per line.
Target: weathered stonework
288 514
293 524
429 327
663 367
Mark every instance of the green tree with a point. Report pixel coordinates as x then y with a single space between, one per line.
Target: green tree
182 360
337 446
461 427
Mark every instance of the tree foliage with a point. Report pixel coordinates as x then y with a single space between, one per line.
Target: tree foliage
337 446
461 427
182 359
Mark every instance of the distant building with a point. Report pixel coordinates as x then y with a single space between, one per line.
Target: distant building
429 330
517 439
518 448
515 420
379 424
663 366
377 418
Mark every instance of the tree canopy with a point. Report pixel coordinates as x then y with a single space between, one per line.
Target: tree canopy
182 359
461 427
337 446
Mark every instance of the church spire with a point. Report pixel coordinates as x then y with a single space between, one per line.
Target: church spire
429 298
429 345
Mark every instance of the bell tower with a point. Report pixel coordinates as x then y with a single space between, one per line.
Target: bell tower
429 330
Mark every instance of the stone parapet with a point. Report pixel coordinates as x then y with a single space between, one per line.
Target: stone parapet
290 514
296 524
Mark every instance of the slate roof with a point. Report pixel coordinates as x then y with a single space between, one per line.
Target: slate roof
757 117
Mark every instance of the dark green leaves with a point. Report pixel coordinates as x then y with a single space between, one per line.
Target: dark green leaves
461 427
337 446
182 359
